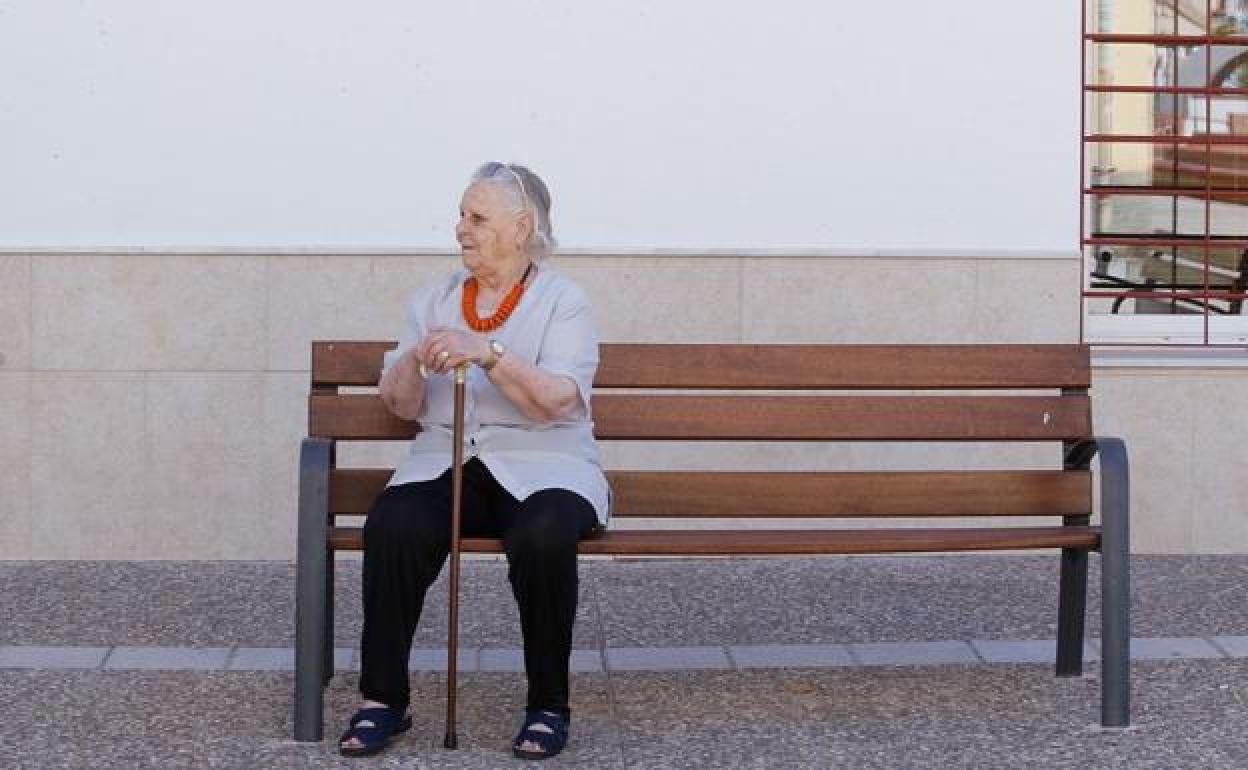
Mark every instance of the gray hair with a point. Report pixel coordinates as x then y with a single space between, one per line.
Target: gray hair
529 193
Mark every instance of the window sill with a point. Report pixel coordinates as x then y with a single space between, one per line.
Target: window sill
1158 357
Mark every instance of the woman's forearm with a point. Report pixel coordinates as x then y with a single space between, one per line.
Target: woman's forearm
403 389
539 395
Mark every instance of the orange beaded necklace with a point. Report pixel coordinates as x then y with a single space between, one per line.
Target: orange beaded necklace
505 308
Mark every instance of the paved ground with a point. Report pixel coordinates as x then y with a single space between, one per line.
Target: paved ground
725 663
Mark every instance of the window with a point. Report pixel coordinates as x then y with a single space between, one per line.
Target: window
1165 172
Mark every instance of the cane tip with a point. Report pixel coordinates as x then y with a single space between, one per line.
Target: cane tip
451 741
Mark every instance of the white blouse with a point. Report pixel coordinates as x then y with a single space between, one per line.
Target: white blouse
552 328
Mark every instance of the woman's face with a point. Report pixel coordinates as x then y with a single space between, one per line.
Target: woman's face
490 232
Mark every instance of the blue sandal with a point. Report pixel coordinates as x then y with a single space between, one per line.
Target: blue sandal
551 742
374 728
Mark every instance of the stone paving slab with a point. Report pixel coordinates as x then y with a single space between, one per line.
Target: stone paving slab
505 659
511 659
1025 651
1164 648
913 653
167 658
425 659
666 658
790 655
283 659
586 661
1236 646
266 659
52 657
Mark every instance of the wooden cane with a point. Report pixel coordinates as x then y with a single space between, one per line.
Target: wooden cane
457 491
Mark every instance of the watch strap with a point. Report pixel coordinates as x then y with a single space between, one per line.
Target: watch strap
496 352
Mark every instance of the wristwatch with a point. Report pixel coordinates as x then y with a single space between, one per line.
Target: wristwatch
497 349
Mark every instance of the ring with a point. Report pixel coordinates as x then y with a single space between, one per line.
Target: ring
444 354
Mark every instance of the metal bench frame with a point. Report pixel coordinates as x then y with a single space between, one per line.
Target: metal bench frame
337 364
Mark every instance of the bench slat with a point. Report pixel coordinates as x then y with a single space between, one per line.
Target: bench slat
719 494
711 494
348 362
842 418
762 418
358 416
883 367
782 367
793 542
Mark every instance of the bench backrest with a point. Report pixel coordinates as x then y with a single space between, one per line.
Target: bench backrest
729 392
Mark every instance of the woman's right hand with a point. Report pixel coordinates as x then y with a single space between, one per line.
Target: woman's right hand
402 387
444 349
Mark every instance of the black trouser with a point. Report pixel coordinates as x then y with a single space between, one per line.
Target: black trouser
406 542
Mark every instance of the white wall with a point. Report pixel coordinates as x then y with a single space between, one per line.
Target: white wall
660 124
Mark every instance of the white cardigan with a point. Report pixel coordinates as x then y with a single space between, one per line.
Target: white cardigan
553 328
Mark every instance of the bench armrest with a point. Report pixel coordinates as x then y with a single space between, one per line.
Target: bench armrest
316 458
1115 581
1115 484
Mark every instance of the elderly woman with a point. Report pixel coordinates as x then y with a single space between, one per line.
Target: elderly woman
531 476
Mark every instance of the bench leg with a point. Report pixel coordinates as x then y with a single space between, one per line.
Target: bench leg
311 567
1072 603
1115 586
310 674
328 665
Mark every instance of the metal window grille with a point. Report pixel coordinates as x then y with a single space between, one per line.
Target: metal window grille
1164 172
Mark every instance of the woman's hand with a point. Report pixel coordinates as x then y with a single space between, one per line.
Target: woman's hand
540 395
402 386
444 349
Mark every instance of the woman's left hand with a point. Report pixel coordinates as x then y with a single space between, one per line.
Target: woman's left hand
444 349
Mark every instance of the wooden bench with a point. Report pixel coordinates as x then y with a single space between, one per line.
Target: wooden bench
802 393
